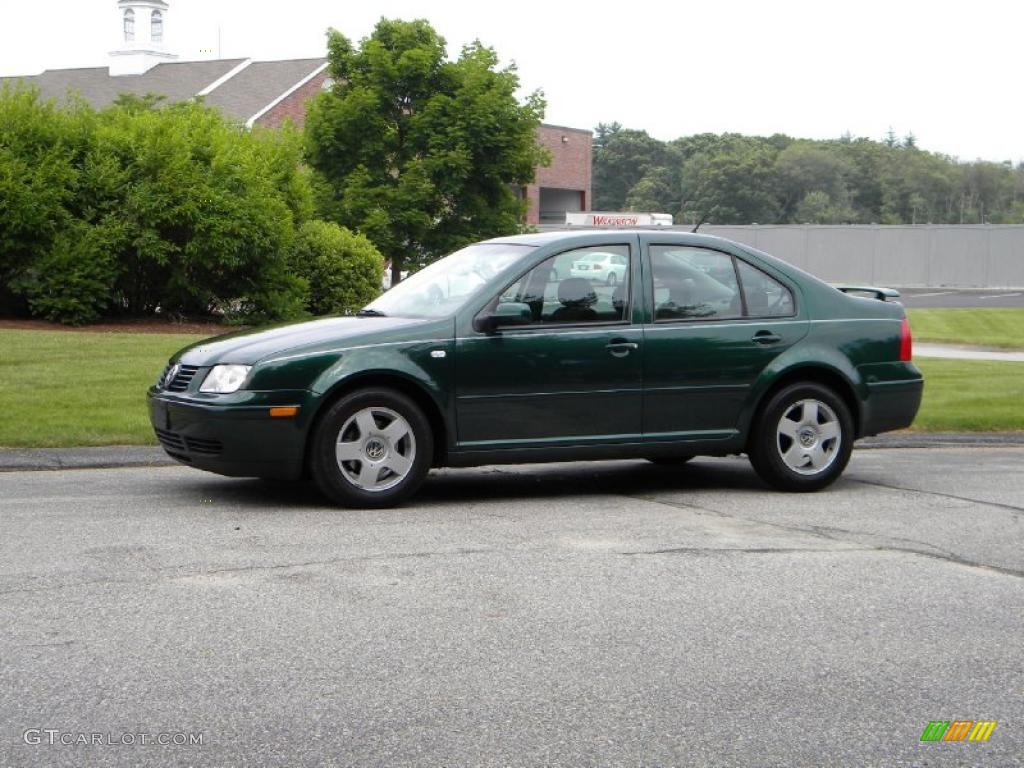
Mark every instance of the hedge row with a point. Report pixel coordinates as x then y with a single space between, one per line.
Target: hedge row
139 210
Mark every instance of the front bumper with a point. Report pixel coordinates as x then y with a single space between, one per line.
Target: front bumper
234 434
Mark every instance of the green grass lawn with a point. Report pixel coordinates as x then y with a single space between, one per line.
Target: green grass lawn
60 388
984 327
971 395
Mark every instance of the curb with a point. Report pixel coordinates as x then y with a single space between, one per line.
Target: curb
941 440
137 456
103 457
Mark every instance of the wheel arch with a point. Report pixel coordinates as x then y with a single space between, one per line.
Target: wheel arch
817 374
388 379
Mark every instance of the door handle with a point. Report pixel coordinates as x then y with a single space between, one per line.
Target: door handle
766 337
621 347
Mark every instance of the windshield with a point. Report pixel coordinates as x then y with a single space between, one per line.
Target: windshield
444 286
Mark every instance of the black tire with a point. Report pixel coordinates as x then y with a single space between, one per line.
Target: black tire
328 472
669 461
766 445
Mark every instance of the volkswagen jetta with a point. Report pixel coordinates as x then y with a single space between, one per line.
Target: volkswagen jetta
488 356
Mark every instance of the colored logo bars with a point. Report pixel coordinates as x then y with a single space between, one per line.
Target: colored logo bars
958 730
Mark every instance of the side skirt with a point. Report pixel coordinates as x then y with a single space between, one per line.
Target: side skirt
723 447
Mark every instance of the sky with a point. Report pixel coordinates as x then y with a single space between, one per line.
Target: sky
948 72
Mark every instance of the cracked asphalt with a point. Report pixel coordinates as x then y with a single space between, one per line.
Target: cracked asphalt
576 614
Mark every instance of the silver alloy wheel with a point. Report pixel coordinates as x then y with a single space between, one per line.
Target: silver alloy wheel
808 437
375 449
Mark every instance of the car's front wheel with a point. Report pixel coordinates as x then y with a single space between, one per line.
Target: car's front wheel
802 438
371 449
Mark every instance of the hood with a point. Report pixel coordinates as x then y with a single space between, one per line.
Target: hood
249 347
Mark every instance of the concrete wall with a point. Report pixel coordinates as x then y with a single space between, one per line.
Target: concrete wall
963 256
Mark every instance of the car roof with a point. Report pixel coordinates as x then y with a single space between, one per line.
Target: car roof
585 236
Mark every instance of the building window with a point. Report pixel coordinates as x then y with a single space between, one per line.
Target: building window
129 26
157 31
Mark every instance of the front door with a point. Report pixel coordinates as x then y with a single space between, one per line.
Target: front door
572 375
717 323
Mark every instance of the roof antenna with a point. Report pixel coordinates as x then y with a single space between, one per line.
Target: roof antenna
703 217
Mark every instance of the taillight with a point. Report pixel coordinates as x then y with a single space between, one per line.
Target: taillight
906 343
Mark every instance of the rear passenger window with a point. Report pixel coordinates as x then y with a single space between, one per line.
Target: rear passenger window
585 285
766 296
694 284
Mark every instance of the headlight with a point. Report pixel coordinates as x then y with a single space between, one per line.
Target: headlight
225 378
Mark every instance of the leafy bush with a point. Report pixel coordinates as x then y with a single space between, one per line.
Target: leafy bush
73 281
342 269
136 210
40 151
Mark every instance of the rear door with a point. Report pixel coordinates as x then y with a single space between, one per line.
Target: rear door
715 322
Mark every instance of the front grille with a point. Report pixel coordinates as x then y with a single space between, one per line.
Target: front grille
172 441
181 379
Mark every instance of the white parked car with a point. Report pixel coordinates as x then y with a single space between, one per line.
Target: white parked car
600 267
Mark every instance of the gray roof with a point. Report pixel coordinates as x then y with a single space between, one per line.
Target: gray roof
177 81
240 97
259 85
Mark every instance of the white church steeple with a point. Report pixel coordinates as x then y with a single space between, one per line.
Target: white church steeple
143 32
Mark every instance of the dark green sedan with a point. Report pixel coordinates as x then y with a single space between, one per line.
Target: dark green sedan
504 352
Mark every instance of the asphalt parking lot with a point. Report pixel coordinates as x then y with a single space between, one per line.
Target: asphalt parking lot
576 614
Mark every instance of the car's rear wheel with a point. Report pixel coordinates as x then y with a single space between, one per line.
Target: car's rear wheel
371 449
802 438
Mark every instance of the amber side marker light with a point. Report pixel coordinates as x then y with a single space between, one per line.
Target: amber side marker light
284 411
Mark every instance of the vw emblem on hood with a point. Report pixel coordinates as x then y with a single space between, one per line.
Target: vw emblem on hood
171 373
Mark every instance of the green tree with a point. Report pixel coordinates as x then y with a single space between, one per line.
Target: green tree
621 158
806 167
657 191
735 184
419 153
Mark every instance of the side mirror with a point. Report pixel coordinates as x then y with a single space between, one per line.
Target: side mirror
505 314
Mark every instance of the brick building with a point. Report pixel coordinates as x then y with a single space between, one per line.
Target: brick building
564 185
266 93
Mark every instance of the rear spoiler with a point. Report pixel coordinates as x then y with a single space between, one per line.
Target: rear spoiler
882 294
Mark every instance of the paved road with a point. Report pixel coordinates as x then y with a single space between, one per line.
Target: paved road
601 614
992 298
967 352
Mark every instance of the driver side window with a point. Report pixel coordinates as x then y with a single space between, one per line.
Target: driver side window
584 285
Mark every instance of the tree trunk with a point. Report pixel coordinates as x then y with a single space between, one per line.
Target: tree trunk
396 270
